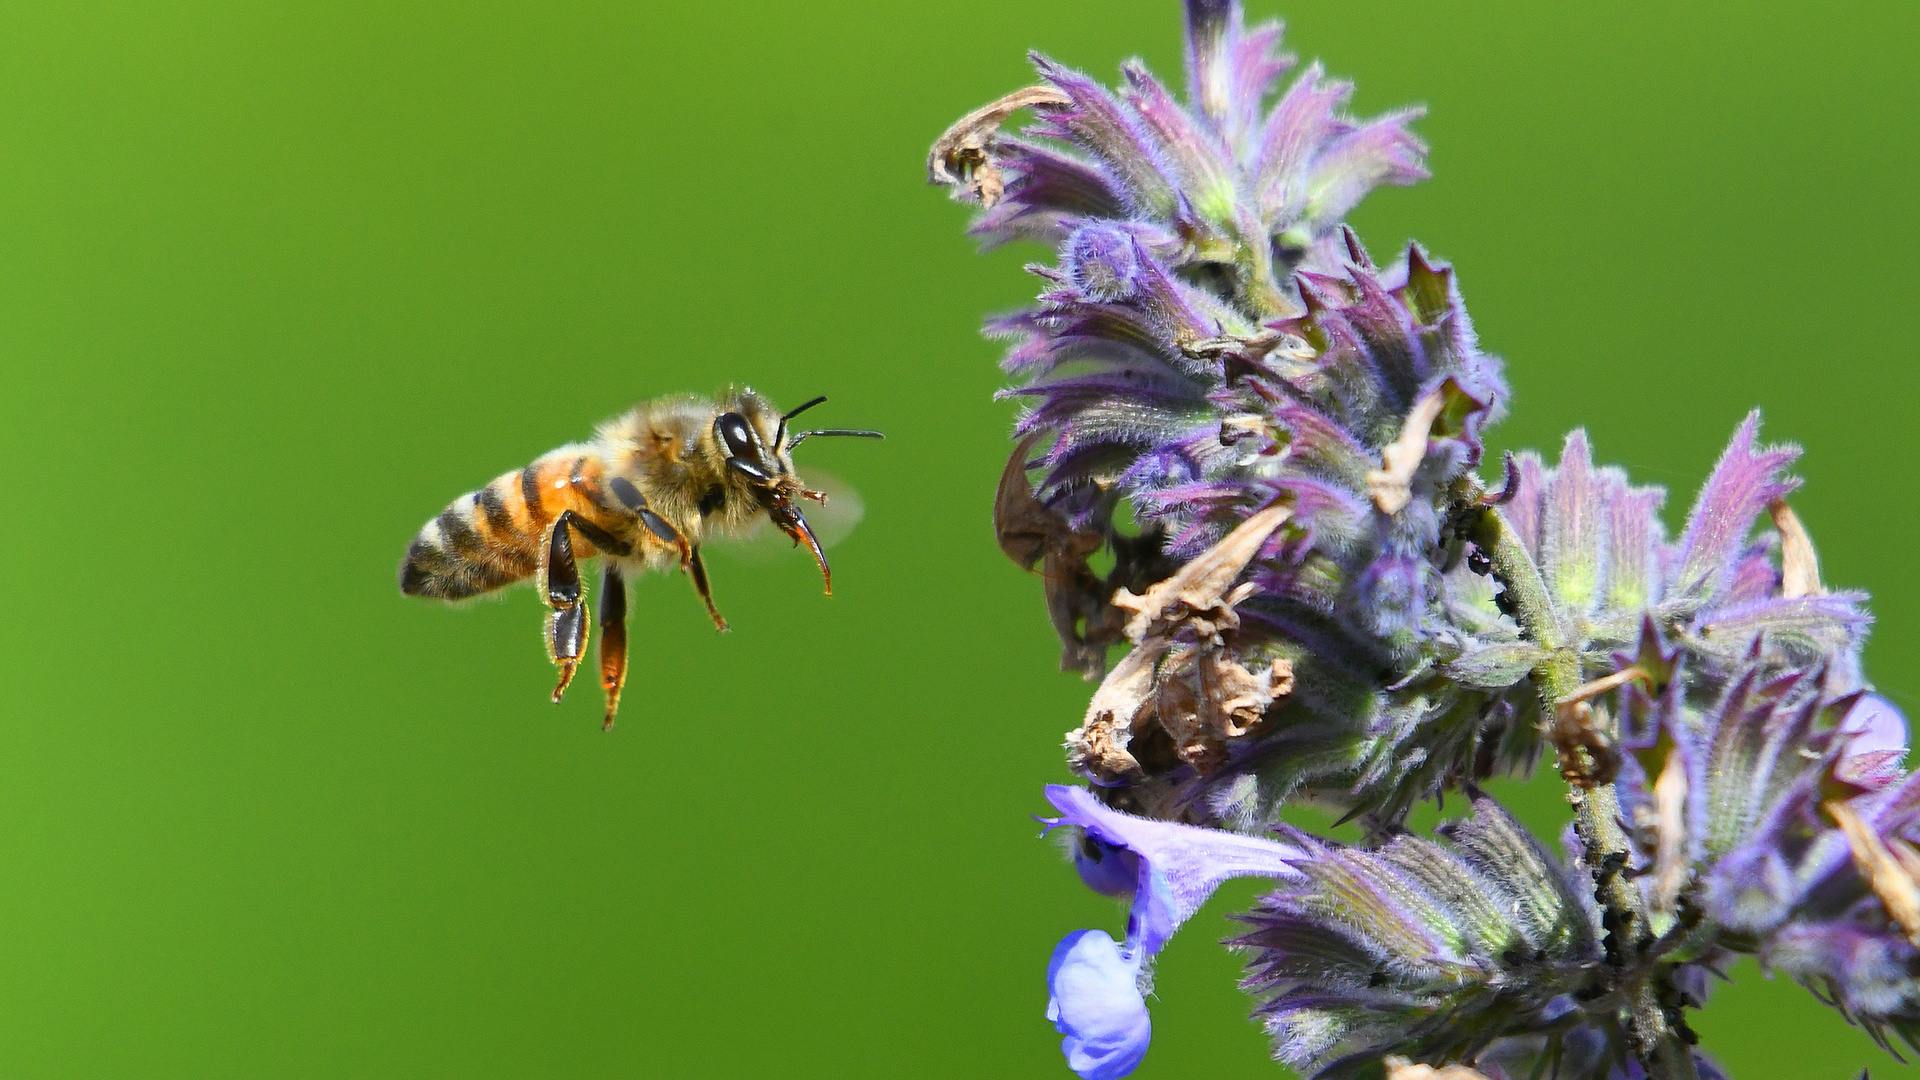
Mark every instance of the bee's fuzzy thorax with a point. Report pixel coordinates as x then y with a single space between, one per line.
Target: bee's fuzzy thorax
666 447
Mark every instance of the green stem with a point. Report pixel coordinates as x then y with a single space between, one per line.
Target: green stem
1596 809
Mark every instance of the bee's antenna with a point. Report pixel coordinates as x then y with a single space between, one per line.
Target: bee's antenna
781 432
799 435
803 407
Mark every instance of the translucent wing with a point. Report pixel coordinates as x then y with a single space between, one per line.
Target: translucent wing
832 521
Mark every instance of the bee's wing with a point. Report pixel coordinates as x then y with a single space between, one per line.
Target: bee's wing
831 521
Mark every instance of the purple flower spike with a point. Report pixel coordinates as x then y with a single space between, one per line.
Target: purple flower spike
1093 999
1247 456
1179 866
1746 479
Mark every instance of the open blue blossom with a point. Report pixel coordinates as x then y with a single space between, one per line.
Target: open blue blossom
1093 999
1106 868
1176 867
1168 870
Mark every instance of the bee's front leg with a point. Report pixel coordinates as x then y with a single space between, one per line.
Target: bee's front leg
566 631
636 504
613 638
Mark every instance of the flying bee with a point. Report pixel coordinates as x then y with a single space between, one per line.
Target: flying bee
649 488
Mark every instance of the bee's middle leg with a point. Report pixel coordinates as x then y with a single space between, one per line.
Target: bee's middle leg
689 553
700 585
636 504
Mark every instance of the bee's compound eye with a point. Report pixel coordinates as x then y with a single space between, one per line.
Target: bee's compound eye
734 435
746 469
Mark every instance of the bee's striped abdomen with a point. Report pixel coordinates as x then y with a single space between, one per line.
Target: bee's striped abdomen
491 538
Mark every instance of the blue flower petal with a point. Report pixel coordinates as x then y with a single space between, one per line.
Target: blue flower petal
1178 866
1156 914
1093 999
1108 869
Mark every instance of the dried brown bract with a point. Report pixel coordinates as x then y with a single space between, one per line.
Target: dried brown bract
1391 484
1585 740
1799 565
1184 674
1670 869
1034 535
1267 353
1026 528
963 155
1098 747
1892 868
1206 696
1198 593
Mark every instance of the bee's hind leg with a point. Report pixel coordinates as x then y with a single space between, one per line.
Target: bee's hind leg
566 631
613 638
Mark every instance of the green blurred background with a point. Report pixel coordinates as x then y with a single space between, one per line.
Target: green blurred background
278 281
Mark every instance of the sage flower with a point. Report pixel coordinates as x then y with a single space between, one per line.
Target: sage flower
1319 591
1093 999
1168 870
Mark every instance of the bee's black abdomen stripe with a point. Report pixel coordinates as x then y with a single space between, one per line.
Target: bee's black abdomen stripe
451 560
585 486
415 578
516 558
530 491
485 577
484 540
458 534
430 570
499 518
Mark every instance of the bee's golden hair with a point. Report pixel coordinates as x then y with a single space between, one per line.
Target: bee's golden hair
664 448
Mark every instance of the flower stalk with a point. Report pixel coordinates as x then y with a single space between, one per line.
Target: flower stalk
1606 848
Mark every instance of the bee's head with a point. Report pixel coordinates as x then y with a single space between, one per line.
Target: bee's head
768 472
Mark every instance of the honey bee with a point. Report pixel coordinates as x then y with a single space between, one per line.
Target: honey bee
649 488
